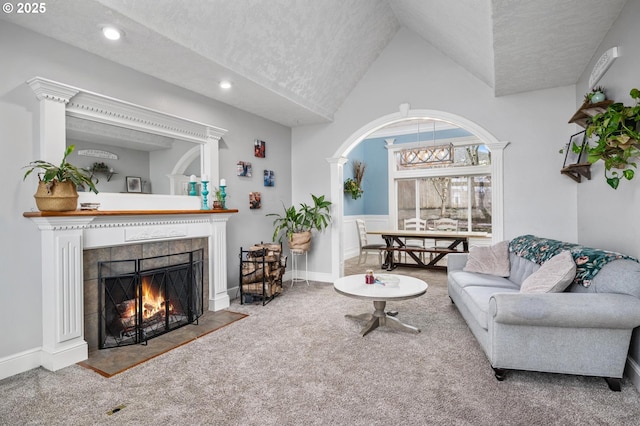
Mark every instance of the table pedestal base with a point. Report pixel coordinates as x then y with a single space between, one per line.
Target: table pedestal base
379 317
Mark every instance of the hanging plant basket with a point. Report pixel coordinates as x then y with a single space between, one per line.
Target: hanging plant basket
352 188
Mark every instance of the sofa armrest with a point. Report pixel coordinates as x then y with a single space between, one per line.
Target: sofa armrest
580 310
456 261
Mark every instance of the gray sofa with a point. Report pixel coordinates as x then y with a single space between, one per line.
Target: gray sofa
584 330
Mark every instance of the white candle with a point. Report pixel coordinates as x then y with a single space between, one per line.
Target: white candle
205 178
192 178
223 182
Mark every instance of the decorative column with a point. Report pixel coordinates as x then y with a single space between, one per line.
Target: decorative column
53 99
218 297
337 209
63 341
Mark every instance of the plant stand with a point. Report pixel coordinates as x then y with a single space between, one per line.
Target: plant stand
296 272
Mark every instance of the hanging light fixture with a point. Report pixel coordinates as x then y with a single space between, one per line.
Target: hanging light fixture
428 154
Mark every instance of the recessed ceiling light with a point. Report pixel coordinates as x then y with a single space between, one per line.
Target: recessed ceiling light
224 84
111 33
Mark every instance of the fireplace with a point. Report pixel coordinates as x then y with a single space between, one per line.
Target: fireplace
72 244
144 298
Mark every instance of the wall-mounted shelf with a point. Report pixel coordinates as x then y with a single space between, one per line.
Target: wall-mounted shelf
577 171
588 110
107 173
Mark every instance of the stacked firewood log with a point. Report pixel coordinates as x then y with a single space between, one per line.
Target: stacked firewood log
263 263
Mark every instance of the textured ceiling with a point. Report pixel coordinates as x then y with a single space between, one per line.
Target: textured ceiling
295 62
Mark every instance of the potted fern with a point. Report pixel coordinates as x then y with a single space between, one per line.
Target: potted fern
618 134
297 223
57 184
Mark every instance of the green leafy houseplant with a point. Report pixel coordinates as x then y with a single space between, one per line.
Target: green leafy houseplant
618 139
301 220
352 188
57 184
50 173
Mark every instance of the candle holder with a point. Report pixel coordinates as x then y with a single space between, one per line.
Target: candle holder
205 192
192 189
223 193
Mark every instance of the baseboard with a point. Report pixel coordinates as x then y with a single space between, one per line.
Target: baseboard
71 353
632 371
220 301
19 363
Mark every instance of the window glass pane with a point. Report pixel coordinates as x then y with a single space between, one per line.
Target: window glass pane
481 210
406 200
450 197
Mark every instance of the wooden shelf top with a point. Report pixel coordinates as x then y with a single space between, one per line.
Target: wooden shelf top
588 110
126 212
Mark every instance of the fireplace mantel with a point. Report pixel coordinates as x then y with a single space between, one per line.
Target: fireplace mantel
65 235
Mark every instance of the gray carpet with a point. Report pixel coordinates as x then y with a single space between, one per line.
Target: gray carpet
298 360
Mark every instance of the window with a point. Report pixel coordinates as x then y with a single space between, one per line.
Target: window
443 178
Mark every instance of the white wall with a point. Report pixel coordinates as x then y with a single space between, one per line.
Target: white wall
608 218
25 55
538 199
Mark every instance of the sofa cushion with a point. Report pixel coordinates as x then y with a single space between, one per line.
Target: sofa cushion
466 279
492 260
620 276
554 276
521 268
477 298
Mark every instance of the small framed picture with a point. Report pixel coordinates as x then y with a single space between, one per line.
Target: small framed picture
244 168
269 178
255 200
134 184
259 148
575 149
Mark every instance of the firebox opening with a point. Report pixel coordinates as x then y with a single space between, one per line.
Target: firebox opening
143 298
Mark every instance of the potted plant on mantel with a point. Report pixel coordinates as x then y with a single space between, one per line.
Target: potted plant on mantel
57 185
297 224
618 139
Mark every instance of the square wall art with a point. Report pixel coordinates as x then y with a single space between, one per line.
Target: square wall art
244 169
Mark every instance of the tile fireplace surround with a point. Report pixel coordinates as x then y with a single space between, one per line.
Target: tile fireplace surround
65 236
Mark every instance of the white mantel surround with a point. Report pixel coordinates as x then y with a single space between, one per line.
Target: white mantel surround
64 236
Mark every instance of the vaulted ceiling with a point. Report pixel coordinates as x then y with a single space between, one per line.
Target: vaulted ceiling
295 62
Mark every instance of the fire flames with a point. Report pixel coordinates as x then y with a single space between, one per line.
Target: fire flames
152 302
154 306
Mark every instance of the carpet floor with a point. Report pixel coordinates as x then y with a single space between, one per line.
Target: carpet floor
299 361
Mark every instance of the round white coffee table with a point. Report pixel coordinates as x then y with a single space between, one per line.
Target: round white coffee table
401 287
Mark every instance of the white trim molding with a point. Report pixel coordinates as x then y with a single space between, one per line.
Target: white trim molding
405 113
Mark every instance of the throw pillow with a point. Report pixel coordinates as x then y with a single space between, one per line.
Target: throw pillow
493 260
554 275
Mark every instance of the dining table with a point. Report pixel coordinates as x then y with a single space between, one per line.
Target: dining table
455 242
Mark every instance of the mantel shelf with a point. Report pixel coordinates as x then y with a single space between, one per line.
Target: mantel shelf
577 171
126 212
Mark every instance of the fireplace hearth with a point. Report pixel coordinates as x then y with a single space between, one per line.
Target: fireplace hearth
140 299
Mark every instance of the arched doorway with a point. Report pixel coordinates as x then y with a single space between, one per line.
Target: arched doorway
339 159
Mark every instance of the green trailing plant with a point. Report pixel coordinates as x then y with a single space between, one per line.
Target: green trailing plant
352 188
49 173
618 136
302 219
